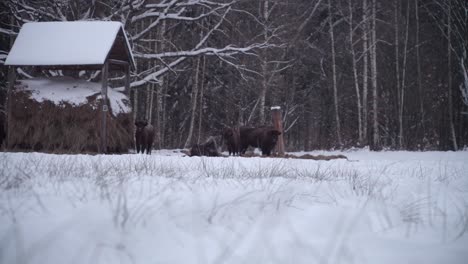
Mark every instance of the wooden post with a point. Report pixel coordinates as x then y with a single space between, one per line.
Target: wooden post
128 93
104 108
11 84
127 80
278 124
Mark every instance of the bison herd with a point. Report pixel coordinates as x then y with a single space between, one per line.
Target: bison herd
236 139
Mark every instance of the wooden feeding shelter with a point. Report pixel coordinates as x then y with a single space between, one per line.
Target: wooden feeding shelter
80 45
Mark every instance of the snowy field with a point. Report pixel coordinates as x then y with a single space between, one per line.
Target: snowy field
380 207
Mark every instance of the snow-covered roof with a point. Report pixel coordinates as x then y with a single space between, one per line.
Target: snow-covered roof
69 43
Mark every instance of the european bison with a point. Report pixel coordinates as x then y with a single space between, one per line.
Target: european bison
264 137
231 137
206 149
2 129
144 136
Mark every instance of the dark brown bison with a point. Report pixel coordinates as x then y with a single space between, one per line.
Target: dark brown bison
2 129
208 148
264 138
144 136
231 138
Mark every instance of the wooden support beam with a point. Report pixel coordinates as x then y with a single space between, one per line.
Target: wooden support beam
127 81
104 109
9 99
128 93
119 62
278 124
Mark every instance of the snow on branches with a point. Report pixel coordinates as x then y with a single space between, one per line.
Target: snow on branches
163 33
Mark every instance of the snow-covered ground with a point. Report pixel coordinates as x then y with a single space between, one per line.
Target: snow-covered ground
379 207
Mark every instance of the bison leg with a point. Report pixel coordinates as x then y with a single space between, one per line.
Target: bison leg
150 146
148 149
138 147
243 149
266 151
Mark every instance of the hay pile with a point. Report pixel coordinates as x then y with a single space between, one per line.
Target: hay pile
316 157
305 156
286 156
61 116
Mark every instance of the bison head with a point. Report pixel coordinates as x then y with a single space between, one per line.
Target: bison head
140 125
272 135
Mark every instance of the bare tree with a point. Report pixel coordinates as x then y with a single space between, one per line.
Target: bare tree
150 87
454 27
355 73
397 73
202 91
160 92
335 88
449 73
401 87
365 66
464 85
270 66
418 69
375 98
264 62
194 101
202 64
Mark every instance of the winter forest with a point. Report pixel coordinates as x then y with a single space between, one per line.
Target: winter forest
385 74
373 98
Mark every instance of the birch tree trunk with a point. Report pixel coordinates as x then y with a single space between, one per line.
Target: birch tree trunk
159 110
418 72
403 81
193 103
261 107
148 85
162 113
355 75
135 104
136 95
449 54
149 103
335 88
264 88
365 73
148 99
150 88
150 106
160 125
397 71
202 91
375 120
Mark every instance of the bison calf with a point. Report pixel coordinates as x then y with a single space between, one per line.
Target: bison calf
144 136
264 138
